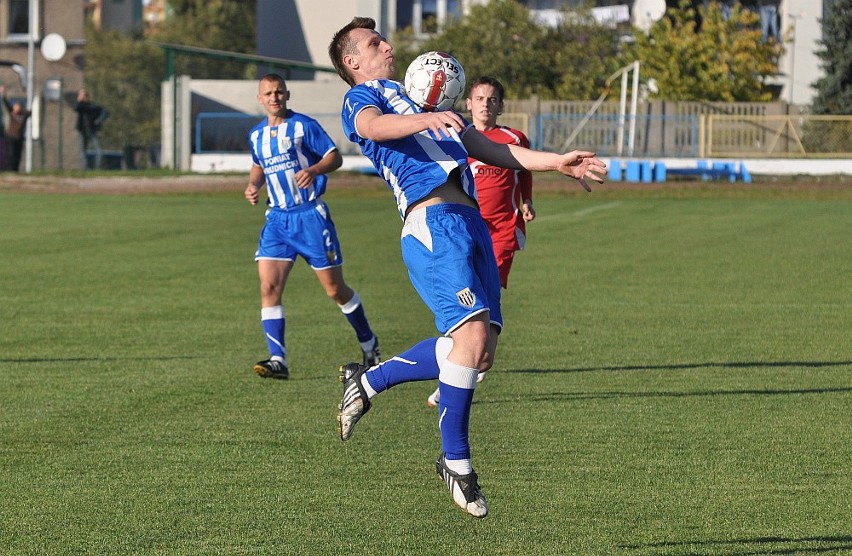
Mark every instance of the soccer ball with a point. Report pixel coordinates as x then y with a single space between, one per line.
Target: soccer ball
435 81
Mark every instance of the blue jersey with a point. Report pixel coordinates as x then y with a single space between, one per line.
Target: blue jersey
283 150
401 162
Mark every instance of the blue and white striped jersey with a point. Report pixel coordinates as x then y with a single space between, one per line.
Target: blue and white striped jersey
283 150
412 166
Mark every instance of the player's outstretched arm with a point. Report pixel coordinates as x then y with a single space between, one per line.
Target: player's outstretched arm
375 126
580 165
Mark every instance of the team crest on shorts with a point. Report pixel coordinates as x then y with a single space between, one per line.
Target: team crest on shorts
466 298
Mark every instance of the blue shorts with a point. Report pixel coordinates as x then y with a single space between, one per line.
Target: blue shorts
305 230
451 263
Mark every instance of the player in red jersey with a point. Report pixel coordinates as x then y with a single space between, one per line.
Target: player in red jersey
504 195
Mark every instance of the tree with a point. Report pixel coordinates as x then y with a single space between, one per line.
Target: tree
217 24
584 54
499 38
723 60
834 89
123 74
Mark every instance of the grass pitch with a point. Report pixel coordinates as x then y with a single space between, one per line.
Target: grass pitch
674 378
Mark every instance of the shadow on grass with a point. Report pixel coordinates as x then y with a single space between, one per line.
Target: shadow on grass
556 396
94 359
765 546
686 366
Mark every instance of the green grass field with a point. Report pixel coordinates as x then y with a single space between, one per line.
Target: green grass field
674 378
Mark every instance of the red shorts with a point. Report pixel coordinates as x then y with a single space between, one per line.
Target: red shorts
504 253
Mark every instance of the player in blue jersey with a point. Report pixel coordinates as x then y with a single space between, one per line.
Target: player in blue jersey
423 157
291 154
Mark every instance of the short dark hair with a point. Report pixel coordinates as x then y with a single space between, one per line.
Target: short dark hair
488 80
341 45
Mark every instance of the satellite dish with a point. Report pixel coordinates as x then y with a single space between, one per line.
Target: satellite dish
53 47
646 12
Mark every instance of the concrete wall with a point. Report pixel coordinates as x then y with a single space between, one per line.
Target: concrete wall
301 29
320 99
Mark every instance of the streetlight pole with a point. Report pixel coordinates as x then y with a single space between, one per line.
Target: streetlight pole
794 18
30 83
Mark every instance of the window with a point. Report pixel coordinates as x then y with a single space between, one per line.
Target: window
426 16
19 19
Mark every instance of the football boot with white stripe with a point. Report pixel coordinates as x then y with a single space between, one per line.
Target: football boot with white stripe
464 489
355 401
272 368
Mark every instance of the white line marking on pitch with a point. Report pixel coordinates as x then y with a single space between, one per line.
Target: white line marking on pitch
597 208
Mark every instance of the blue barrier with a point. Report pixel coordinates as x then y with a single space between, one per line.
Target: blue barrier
646 171
714 171
633 172
614 170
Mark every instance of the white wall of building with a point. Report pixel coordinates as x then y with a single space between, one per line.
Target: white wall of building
802 31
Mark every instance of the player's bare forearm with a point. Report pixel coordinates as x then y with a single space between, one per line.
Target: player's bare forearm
373 125
256 180
329 163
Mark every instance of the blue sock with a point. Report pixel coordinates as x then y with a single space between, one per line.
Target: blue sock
354 311
272 320
456 384
418 363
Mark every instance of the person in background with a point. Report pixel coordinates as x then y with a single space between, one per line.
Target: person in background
504 194
292 154
90 120
15 130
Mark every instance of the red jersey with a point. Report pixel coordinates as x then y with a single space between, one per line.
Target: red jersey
501 191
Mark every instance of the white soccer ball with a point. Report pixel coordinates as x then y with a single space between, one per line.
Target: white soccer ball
435 81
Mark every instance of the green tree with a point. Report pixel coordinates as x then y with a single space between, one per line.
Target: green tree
218 24
584 54
501 39
834 89
123 74
723 60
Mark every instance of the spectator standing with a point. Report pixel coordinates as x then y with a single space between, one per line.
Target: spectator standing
90 119
15 129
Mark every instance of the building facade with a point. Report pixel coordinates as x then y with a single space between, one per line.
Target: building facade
300 29
46 85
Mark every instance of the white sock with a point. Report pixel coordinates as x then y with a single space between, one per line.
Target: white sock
460 466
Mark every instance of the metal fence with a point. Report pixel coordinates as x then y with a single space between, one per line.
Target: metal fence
778 136
610 135
688 130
